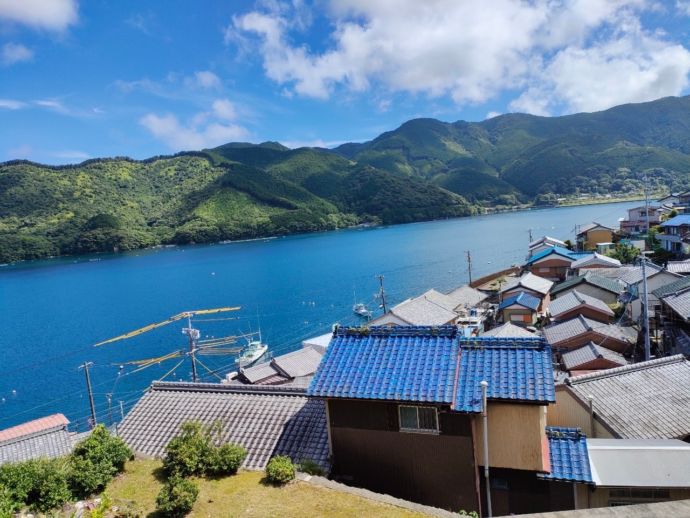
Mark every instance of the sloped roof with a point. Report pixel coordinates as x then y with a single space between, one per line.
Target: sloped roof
267 421
682 267
679 302
591 226
596 259
568 455
430 309
557 333
302 362
431 365
548 240
672 287
530 282
617 462
594 279
521 299
555 250
466 296
646 400
677 221
576 358
574 299
508 330
630 274
44 437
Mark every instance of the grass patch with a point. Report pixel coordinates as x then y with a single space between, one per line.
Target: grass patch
243 495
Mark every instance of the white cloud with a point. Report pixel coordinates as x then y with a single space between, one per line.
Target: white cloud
472 52
683 7
206 79
53 105
12 104
492 114
55 15
15 53
204 129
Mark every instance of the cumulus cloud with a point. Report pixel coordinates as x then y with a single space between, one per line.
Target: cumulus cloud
472 52
15 53
54 15
203 130
205 79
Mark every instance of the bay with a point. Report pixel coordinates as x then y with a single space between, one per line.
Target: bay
291 287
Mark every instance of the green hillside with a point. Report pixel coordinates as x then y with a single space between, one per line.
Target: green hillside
425 169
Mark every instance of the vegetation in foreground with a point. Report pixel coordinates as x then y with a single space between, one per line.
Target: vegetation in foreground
245 494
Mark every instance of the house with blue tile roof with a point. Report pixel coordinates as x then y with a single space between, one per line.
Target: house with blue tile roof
553 263
404 407
521 309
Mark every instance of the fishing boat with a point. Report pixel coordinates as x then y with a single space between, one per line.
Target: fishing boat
361 310
254 351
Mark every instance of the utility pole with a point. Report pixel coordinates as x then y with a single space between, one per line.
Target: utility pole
645 300
485 417
109 397
530 234
469 265
122 410
193 335
86 366
382 294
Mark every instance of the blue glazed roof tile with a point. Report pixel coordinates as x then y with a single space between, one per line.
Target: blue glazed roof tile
522 299
568 455
433 365
558 250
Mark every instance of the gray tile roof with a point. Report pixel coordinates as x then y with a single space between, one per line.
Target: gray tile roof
266 420
46 437
595 259
594 279
466 296
682 267
558 333
647 400
679 302
430 309
529 281
574 299
546 240
672 287
282 369
302 362
508 330
630 274
588 353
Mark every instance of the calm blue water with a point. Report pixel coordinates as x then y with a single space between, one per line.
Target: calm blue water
294 288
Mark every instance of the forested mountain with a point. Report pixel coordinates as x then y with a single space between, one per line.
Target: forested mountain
425 169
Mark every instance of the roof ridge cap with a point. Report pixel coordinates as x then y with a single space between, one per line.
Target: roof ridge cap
651 364
177 386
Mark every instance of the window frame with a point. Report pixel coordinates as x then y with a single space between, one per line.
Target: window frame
429 431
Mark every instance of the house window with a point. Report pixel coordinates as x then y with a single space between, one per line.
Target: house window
421 419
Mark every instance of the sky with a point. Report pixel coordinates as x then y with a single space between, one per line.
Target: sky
138 78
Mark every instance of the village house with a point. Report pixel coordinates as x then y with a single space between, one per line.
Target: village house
683 199
521 309
579 331
295 368
553 264
676 235
543 243
318 343
46 437
492 283
640 219
404 415
670 200
431 308
631 278
508 330
574 303
591 357
679 267
589 283
592 262
588 236
266 420
531 284
674 314
646 400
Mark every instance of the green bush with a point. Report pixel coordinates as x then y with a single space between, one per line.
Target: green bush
18 480
280 470
8 506
226 459
177 497
96 460
188 453
38 484
311 467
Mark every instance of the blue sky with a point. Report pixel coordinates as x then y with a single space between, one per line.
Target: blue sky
142 78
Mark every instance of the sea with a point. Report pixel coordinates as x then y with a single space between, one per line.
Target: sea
289 288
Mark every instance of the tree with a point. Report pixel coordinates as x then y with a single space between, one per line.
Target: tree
625 253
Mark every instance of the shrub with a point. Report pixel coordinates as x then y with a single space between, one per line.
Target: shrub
188 453
226 459
18 479
38 484
177 497
311 467
280 470
8 506
96 460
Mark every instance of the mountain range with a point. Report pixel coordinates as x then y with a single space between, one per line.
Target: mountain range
425 169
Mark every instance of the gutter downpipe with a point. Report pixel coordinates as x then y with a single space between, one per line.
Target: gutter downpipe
485 416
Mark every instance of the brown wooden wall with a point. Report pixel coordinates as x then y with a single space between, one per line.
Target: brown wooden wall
592 336
433 469
585 311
